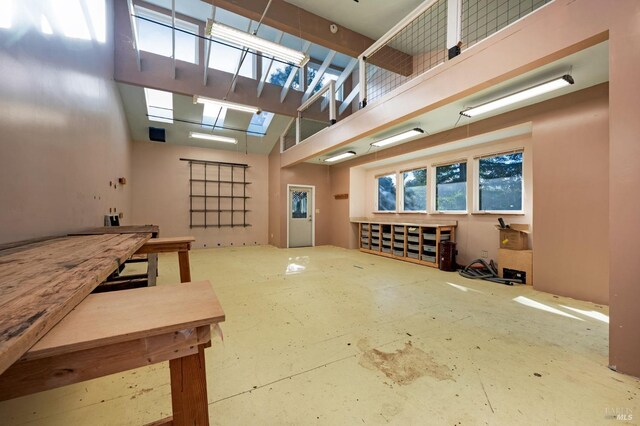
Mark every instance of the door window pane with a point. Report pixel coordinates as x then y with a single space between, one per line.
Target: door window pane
501 182
415 190
387 193
299 204
451 187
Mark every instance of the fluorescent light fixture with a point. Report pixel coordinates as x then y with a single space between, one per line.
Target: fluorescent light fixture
398 138
250 41
340 156
549 86
229 105
211 137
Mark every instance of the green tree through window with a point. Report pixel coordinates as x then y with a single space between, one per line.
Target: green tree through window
501 182
415 190
387 193
451 187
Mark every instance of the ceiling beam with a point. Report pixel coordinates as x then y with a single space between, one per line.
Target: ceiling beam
292 74
319 74
296 21
263 78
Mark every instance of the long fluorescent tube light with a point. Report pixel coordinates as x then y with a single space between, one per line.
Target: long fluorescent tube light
531 92
340 156
250 41
226 104
398 138
210 137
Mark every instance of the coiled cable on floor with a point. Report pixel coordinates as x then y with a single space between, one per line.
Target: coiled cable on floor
479 269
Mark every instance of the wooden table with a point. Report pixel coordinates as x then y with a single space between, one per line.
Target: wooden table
118 331
132 229
42 282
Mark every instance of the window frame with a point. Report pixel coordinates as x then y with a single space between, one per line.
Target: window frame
377 192
476 183
180 24
426 190
434 189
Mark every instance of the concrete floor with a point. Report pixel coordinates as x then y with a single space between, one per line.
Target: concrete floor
331 336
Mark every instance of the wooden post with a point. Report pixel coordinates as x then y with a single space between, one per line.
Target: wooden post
189 390
185 269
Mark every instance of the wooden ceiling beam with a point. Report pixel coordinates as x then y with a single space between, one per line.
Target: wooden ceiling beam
296 21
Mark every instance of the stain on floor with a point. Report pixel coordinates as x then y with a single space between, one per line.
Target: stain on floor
405 365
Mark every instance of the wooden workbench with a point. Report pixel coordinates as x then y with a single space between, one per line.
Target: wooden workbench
42 282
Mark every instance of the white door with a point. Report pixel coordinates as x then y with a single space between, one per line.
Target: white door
300 216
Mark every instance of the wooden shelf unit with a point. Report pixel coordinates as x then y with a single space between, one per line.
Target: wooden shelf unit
411 242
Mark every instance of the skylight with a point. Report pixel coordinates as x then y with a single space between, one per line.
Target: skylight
159 105
213 115
156 38
6 14
260 122
223 57
45 26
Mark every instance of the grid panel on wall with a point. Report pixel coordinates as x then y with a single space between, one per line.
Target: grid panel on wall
420 46
481 18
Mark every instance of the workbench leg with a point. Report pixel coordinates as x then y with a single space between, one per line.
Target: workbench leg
185 269
152 269
189 390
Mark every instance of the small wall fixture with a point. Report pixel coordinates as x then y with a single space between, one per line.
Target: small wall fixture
226 104
397 138
540 89
250 41
210 137
340 157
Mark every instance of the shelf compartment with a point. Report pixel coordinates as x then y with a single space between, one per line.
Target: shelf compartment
399 229
375 234
413 238
414 247
399 253
429 258
386 249
413 255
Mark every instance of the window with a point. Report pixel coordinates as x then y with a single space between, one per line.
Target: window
451 187
159 105
386 192
414 190
260 122
213 115
500 182
226 57
6 14
299 204
156 38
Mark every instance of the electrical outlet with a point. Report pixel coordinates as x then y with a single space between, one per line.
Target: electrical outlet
485 254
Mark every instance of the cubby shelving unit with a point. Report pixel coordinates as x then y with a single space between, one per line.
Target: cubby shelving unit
217 194
411 242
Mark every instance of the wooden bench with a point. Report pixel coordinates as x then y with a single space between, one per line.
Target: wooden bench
151 248
113 332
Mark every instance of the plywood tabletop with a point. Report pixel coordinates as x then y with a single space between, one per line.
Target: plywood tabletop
132 229
107 318
42 282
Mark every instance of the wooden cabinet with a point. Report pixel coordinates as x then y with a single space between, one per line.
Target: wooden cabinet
411 242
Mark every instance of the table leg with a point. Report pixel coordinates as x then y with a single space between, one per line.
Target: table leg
152 269
189 390
185 269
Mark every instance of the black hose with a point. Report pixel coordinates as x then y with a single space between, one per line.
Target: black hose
485 271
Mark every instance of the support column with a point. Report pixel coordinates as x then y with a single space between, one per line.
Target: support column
454 22
624 187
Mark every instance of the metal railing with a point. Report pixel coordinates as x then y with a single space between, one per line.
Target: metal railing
323 100
421 41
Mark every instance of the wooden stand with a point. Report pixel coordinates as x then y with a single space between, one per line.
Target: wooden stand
410 242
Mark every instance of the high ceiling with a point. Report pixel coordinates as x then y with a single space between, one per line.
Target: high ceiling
133 99
372 18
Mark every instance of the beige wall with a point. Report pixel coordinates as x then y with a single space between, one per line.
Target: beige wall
302 174
565 172
63 134
160 183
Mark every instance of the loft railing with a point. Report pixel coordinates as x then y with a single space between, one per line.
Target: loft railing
421 41
323 101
